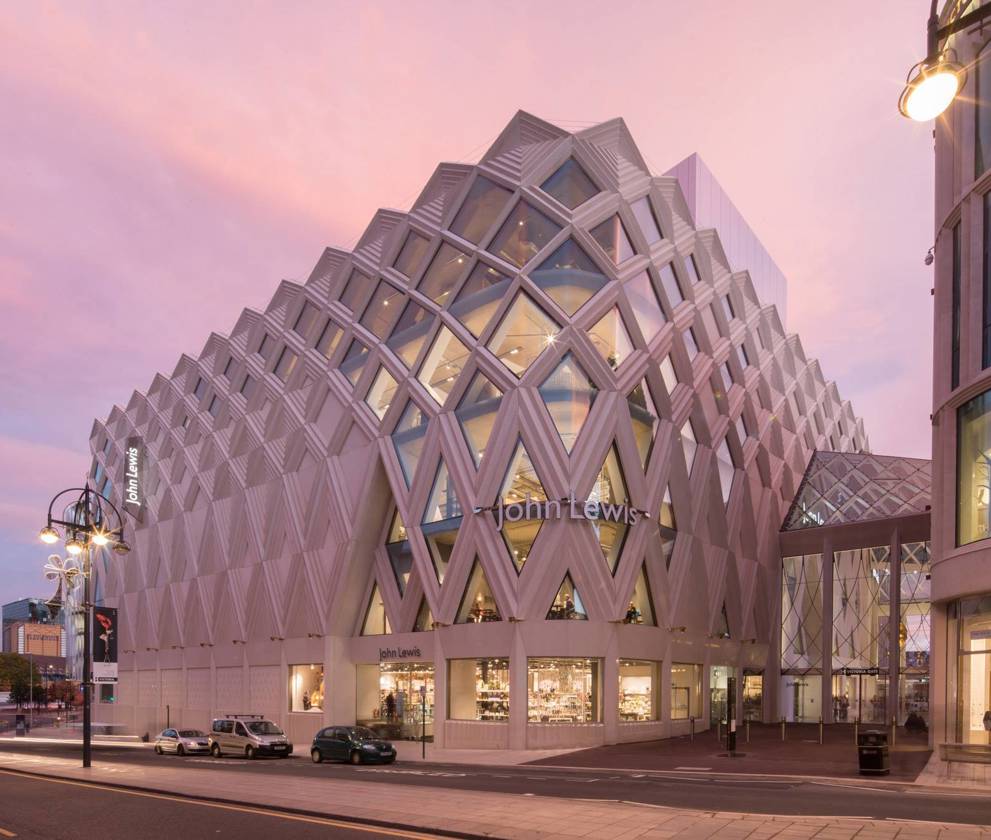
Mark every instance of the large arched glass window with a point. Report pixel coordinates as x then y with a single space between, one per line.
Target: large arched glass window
974 469
982 117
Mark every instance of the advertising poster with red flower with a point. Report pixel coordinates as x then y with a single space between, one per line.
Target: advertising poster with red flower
104 645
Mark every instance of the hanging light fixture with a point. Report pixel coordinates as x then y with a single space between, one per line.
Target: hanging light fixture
931 87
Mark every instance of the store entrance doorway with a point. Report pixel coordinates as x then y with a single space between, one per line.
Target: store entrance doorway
718 683
753 695
397 699
859 696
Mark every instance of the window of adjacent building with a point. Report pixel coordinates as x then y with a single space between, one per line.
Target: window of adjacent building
638 683
482 206
671 286
741 353
612 238
478 689
726 376
376 621
668 373
955 303
567 604
610 337
564 690
228 367
408 439
214 407
568 394
691 345
728 308
692 268
645 305
523 235
523 334
689 444
686 691
411 254
727 467
974 469
479 297
379 396
570 185
284 367
569 277
200 388
643 211
446 269
982 117
711 327
477 412
266 347
382 310
355 288
443 364
306 688
742 432
305 320
330 337
354 361
410 333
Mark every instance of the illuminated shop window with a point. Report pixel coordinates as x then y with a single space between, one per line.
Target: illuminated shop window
610 338
610 489
480 297
482 206
639 681
643 415
969 628
569 277
396 699
376 621
306 688
441 520
646 307
640 610
523 334
570 185
568 394
329 338
523 234
477 412
686 691
379 396
411 254
567 604
305 320
564 690
478 689
612 238
382 310
446 269
443 364
974 469
400 553
408 439
410 333
643 210
355 289
354 361
478 604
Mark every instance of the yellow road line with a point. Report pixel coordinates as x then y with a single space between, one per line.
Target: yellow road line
223 806
5 833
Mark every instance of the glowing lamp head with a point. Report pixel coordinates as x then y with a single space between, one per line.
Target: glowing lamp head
99 538
121 547
74 546
48 535
932 88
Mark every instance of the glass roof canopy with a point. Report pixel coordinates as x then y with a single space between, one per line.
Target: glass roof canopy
844 487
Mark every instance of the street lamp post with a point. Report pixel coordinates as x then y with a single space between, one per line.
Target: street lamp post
91 520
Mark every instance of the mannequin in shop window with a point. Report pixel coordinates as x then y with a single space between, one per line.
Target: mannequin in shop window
306 701
632 614
390 707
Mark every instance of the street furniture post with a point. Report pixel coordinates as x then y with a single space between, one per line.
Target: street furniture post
692 729
782 729
820 729
731 715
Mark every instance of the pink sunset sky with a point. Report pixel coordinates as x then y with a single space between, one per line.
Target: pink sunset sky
163 165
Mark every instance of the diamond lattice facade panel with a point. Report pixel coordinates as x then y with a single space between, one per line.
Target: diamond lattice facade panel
539 394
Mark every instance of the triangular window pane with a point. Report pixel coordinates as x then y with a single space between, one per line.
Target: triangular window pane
523 234
689 444
480 297
478 603
400 553
726 467
408 439
569 277
376 621
610 338
484 202
523 334
477 413
665 516
568 394
520 538
644 213
610 489
521 481
643 415
612 238
570 185
724 630
382 309
446 268
442 364
567 603
646 308
443 504
411 256
410 333
379 396
641 607
354 360
424 617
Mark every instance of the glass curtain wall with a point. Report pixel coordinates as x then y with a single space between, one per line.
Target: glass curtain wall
801 637
914 635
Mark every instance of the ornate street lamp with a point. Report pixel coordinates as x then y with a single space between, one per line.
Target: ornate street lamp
90 520
934 82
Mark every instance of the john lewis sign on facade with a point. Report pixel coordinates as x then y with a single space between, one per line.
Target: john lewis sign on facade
134 467
570 508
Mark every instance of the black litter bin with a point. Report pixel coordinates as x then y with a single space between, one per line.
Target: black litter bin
872 753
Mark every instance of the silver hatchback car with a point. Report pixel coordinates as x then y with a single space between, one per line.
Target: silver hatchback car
249 736
182 742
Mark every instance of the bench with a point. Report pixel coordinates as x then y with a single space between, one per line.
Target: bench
966 753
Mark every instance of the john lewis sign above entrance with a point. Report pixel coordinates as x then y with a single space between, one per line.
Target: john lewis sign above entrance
570 508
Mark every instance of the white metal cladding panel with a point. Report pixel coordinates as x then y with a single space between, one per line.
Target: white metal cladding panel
125 688
198 688
229 690
148 688
172 691
264 688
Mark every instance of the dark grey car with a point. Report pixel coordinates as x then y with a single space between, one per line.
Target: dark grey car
356 744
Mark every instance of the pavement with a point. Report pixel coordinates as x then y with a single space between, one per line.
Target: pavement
468 802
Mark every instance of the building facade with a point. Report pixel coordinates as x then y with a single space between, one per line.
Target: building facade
510 474
26 610
961 517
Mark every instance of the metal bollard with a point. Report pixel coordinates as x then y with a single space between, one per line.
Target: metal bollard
719 731
748 730
820 729
692 730
894 727
782 729
856 732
